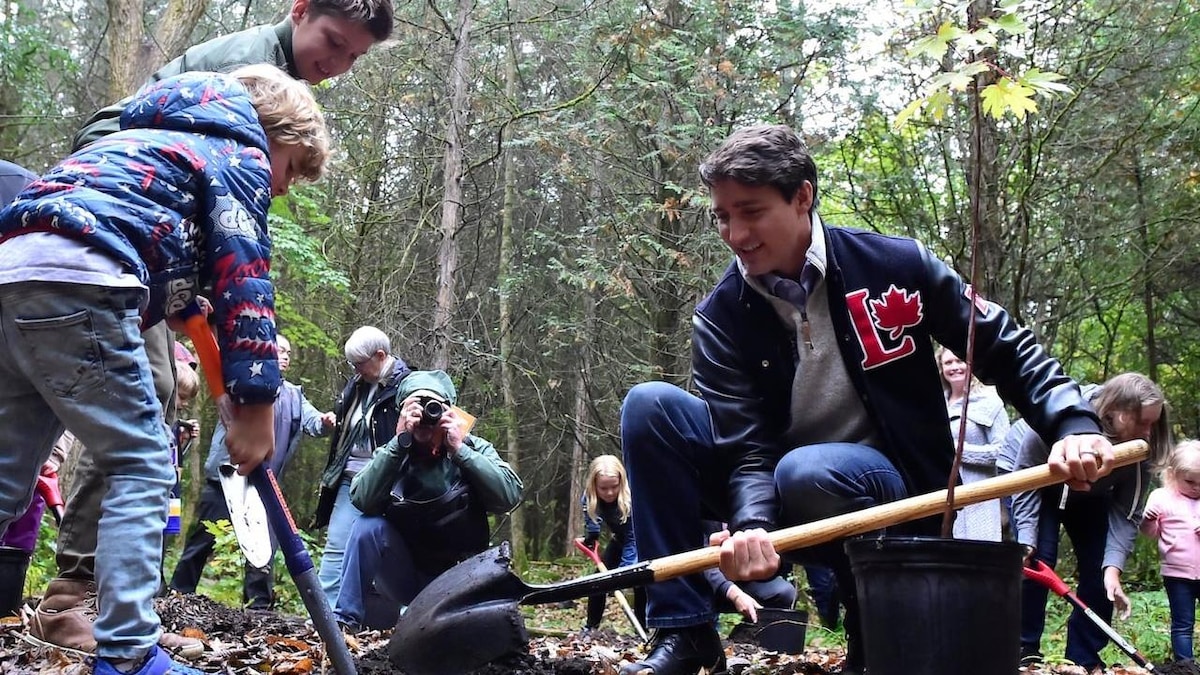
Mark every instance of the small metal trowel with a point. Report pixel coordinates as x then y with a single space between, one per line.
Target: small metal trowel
248 516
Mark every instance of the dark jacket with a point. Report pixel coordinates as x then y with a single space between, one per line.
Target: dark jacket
260 44
608 513
381 421
887 297
13 179
179 197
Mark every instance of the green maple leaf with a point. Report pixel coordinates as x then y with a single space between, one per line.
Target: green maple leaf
1044 83
1011 24
1007 96
930 45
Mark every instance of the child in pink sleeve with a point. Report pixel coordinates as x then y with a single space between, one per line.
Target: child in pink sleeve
1172 516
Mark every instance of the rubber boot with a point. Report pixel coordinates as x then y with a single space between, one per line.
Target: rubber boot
14 562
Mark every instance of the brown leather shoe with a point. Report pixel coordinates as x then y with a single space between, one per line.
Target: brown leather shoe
64 617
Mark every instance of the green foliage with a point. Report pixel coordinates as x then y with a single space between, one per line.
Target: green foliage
32 59
971 53
223 573
301 264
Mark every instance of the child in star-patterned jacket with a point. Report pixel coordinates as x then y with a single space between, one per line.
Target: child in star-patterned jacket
119 236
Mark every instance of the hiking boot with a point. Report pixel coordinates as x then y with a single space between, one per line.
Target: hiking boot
156 662
682 651
64 617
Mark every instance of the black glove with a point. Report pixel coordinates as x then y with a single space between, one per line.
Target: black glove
590 539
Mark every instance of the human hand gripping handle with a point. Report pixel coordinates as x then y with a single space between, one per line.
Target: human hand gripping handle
250 429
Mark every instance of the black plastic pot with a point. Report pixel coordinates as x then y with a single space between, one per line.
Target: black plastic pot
779 630
938 606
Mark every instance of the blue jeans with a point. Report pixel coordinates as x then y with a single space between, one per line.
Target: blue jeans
341 523
1085 520
378 557
73 356
1181 596
667 439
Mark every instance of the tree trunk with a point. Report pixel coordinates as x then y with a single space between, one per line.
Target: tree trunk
452 178
581 418
982 168
1147 277
503 283
132 54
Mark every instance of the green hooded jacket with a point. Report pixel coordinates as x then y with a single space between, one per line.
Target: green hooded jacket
260 44
493 483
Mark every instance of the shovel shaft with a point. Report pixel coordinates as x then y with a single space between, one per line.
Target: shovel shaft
620 596
1123 644
818 532
299 563
1043 574
885 515
300 566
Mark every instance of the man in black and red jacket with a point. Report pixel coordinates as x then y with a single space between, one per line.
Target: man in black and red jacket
819 394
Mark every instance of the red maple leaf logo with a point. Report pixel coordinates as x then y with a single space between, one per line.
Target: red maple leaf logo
896 310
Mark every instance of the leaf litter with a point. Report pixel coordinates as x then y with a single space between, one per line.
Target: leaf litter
244 642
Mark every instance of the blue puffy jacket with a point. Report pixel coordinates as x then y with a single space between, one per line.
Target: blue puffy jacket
179 197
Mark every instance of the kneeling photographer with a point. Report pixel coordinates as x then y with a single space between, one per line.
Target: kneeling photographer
425 497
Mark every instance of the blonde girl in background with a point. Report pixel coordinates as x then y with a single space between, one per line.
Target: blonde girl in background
1172 516
987 425
606 502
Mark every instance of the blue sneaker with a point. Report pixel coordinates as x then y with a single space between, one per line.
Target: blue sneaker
156 663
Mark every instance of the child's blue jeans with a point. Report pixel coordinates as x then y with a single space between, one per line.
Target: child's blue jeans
1181 596
72 355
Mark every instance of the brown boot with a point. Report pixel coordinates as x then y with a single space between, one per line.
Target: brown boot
64 617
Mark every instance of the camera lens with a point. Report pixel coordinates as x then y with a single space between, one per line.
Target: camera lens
431 412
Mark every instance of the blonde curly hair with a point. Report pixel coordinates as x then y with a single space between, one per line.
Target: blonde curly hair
288 113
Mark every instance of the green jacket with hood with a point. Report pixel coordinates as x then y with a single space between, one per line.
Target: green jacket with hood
260 44
493 484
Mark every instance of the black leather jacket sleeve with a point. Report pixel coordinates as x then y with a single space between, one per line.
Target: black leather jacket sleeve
743 441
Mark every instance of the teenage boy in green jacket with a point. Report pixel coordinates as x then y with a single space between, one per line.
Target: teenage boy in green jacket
318 39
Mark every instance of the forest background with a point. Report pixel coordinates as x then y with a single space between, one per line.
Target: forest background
515 198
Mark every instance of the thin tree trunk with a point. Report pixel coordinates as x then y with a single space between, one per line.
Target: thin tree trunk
579 446
1147 281
503 281
452 186
983 168
132 54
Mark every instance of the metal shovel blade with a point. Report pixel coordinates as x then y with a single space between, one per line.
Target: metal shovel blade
248 517
469 616
475 600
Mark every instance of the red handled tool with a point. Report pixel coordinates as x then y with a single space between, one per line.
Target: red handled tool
47 487
299 564
1044 575
618 594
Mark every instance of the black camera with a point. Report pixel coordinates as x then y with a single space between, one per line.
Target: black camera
431 411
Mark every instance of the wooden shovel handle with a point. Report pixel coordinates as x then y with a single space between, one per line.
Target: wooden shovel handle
892 513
